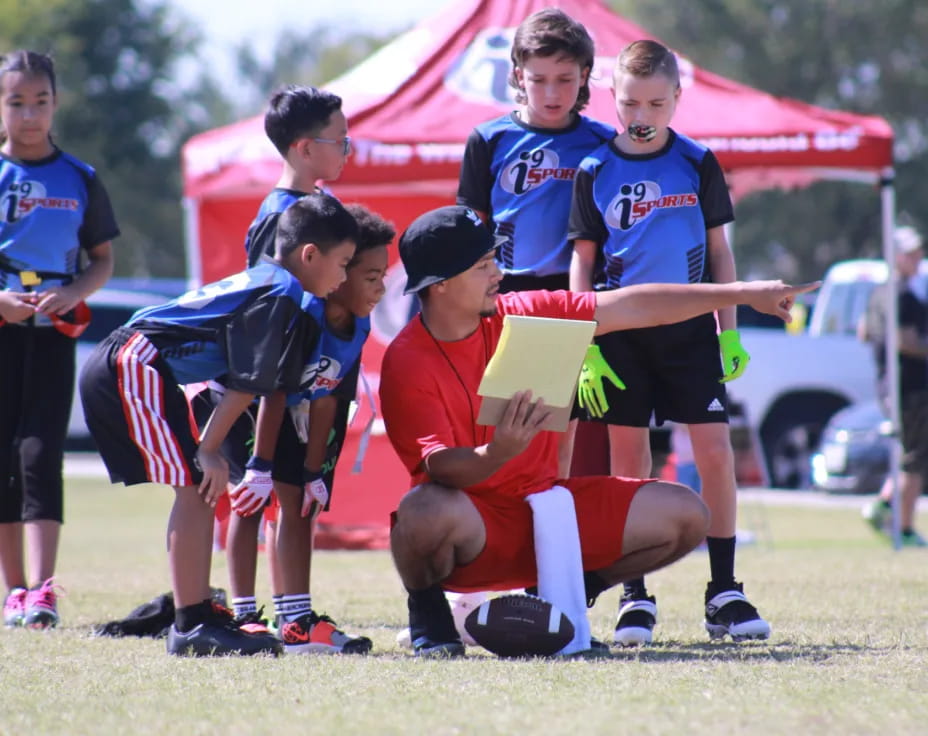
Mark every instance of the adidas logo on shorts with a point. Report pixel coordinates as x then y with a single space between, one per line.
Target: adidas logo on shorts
716 405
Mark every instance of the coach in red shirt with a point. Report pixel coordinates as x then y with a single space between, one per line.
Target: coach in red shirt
465 524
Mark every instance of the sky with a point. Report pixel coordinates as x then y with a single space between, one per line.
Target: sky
225 23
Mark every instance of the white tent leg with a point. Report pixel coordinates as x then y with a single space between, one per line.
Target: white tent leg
888 207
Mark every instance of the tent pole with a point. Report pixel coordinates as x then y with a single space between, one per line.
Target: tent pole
192 242
888 207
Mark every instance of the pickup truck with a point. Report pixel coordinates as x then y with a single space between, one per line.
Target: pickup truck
796 382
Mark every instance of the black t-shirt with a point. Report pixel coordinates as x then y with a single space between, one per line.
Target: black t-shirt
912 312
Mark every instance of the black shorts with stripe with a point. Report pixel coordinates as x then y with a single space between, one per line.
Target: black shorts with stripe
138 415
672 371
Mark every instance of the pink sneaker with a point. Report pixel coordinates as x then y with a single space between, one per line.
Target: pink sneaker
41 611
14 608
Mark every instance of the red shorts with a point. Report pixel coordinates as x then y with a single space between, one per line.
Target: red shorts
508 559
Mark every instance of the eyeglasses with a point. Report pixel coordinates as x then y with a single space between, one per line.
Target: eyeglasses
345 143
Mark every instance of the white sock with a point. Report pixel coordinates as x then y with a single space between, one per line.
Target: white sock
294 606
244 604
559 560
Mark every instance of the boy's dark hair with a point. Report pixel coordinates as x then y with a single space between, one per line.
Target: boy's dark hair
644 59
551 32
373 230
316 218
295 112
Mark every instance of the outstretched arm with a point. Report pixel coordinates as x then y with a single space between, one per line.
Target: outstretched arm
646 305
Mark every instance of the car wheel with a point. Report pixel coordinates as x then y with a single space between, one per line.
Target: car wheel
791 434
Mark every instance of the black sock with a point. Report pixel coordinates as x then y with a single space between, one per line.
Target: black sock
430 615
593 584
722 561
635 589
189 617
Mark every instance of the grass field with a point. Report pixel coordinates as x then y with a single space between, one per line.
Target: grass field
849 652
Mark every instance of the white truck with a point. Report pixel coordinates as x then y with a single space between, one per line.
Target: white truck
796 382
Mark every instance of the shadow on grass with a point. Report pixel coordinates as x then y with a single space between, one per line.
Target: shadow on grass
781 651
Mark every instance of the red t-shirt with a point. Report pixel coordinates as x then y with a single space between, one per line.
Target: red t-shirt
428 393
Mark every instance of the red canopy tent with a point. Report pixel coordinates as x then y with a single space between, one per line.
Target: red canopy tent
410 108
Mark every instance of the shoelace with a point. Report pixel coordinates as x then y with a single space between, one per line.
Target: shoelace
46 595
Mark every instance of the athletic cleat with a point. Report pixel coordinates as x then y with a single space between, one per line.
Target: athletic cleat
253 622
14 608
879 515
425 648
312 632
913 539
218 637
637 617
730 612
41 611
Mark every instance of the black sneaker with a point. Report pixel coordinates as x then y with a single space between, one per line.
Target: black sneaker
729 612
431 626
220 636
637 616
425 648
317 633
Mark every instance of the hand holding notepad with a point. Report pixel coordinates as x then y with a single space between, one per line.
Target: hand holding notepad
539 354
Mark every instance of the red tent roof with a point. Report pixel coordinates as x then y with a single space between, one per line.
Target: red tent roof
412 104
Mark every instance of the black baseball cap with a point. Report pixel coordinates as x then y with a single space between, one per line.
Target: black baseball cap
442 243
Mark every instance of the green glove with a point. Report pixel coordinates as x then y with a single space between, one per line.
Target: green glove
734 357
590 392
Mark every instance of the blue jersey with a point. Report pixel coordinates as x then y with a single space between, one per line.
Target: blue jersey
521 176
263 229
649 213
334 358
248 330
50 210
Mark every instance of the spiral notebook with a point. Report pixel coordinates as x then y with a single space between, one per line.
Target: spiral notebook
537 353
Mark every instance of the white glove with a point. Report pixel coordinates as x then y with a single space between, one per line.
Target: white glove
250 496
315 495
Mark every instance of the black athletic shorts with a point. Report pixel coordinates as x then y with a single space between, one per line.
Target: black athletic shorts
290 453
138 415
670 371
914 419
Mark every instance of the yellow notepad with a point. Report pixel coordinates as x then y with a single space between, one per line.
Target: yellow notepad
540 354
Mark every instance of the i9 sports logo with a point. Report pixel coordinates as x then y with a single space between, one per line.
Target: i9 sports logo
532 169
21 198
635 202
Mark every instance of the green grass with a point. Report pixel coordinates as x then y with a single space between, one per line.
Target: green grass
849 652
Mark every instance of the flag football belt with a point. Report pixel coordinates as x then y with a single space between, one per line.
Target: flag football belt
71 324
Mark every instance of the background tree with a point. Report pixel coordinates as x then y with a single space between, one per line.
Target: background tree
296 60
120 110
857 56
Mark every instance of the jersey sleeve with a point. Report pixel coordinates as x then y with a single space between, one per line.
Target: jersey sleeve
99 225
476 179
714 198
260 238
266 344
586 221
